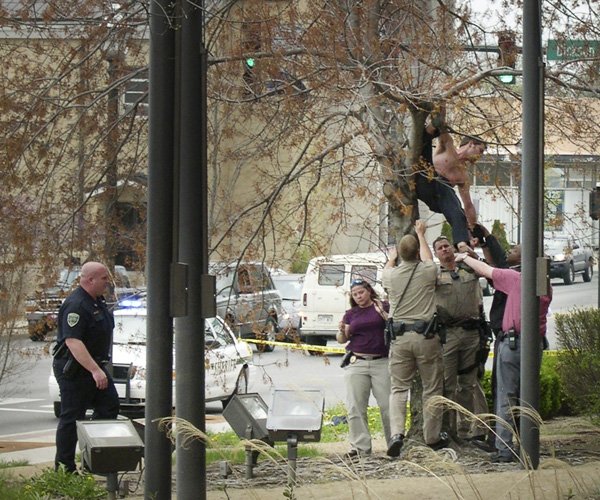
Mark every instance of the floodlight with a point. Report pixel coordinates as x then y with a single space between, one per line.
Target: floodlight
109 445
295 415
247 416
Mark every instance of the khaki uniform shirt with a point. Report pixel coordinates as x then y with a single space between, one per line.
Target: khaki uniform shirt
458 298
418 302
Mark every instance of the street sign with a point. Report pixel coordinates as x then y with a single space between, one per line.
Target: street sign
572 49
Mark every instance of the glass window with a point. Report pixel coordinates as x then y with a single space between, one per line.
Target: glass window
136 93
219 331
331 274
244 280
130 329
224 281
289 289
259 278
492 174
68 276
367 273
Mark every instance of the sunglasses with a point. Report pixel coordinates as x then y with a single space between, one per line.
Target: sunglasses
357 282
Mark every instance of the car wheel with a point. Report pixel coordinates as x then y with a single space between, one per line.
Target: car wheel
569 276
317 341
37 331
268 333
241 386
57 409
589 272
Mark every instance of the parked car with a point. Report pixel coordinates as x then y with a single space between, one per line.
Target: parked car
568 257
228 362
41 309
247 300
290 288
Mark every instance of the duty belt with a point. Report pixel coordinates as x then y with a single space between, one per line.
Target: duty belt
369 357
467 324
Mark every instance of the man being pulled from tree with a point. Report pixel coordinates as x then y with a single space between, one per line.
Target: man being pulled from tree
450 169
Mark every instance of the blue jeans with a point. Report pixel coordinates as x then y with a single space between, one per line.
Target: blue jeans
508 387
441 198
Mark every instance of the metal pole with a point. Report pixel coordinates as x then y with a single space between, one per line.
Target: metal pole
193 247
159 347
292 456
532 195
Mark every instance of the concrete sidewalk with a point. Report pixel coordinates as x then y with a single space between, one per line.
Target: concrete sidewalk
38 447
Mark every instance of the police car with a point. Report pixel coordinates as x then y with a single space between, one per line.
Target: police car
227 361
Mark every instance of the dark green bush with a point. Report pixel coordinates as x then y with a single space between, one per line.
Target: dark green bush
499 232
553 400
578 358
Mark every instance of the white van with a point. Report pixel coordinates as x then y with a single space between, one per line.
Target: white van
326 291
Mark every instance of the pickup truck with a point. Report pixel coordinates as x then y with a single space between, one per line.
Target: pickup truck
569 256
41 308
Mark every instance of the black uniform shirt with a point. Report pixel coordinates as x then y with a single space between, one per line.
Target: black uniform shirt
81 317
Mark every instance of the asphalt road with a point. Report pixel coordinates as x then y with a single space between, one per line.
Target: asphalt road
25 407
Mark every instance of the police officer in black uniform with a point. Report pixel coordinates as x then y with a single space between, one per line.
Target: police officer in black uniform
81 355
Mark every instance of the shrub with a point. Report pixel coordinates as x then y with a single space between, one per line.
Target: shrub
553 398
446 231
61 484
578 360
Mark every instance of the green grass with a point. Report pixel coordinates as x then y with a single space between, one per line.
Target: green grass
52 484
13 463
227 446
237 455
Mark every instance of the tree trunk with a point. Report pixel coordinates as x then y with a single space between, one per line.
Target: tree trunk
403 211
399 187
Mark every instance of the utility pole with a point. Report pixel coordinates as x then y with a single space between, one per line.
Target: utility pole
532 191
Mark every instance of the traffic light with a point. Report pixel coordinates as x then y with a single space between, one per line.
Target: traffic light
507 57
249 75
595 204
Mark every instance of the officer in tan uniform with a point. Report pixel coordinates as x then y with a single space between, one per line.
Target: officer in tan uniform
411 292
459 300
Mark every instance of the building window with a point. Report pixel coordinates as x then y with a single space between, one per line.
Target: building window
492 173
136 94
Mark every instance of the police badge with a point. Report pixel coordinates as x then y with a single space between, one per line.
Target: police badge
72 319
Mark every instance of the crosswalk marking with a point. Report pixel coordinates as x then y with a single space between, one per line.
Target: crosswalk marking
26 410
29 434
18 401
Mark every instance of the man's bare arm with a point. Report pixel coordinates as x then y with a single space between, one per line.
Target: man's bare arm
445 143
465 196
424 250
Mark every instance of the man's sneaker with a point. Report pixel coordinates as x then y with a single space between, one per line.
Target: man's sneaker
395 445
357 453
500 458
440 443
